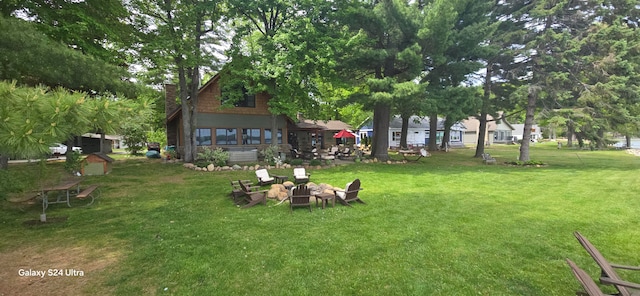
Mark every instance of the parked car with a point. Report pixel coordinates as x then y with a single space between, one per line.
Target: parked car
61 149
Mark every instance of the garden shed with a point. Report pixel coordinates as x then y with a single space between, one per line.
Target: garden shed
96 164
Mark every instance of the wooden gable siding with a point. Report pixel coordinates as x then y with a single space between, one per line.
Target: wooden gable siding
209 102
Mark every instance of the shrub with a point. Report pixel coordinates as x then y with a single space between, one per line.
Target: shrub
526 163
315 162
296 161
270 154
73 162
216 156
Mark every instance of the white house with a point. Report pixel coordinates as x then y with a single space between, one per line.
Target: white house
536 132
418 132
504 131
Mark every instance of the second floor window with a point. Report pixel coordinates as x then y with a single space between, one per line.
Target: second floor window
245 100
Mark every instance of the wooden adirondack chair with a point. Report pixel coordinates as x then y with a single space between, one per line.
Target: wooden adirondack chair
300 197
349 194
608 273
236 191
590 287
253 197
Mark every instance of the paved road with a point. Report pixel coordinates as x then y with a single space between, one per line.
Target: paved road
60 158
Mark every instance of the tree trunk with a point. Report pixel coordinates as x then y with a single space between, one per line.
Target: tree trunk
274 129
433 131
447 134
627 141
528 123
600 142
187 151
570 134
486 97
4 162
482 132
102 140
403 132
380 145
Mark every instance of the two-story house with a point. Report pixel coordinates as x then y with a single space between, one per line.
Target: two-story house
245 128
242 129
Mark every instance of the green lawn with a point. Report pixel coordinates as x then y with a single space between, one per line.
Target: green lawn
447 225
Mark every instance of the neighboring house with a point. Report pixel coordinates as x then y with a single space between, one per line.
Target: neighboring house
504 131
307 133
472 131
90 143
418 132
245 128
536 132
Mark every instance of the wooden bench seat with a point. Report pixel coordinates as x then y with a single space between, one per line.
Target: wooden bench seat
87 192
488 159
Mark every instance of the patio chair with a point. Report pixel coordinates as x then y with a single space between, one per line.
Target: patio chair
590 287
296 154
334 150
264 178
300 197
252 196
345 153
236 191
608 274
349 194
300 175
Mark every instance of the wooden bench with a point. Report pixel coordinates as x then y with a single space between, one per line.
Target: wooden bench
87 192
487 159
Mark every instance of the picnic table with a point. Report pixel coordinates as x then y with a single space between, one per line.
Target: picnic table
422 153
64 197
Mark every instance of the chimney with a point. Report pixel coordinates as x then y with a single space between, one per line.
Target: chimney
170 95
299 116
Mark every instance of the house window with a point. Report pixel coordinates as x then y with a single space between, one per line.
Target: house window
250 136
226 136
203 137
455 136
267 136
395 136
247 100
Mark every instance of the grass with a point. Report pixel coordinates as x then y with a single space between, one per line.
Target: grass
446 225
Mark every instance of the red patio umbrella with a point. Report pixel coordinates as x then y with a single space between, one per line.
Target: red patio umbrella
344 134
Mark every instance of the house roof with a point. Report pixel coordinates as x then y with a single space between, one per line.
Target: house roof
473 124
97 136
178 109
329 125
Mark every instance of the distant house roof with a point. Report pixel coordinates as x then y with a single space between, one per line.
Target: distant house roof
107 137
329 125
473 124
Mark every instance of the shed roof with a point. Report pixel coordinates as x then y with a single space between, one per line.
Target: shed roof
103 156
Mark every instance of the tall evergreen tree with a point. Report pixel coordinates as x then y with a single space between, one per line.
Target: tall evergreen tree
384 57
